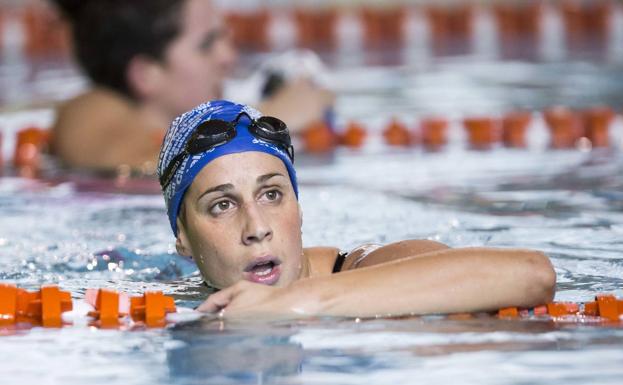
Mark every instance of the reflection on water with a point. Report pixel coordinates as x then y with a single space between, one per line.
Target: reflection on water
567 204
252 356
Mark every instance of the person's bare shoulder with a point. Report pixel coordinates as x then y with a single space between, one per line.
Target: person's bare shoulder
321 260
95 108
101 130
83 122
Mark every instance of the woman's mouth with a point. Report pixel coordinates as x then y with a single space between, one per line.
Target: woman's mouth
264 270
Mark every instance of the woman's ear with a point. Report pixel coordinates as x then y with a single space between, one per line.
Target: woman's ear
144 76
181 241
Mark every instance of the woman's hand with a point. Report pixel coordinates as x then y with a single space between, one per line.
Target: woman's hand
443 281
251 300
299 103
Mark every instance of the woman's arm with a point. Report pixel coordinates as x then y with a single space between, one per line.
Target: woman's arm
371 254
442 281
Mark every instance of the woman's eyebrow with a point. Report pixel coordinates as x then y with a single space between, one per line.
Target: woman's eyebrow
265 177
211 37
222 188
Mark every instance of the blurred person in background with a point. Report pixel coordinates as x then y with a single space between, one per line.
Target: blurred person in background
149 61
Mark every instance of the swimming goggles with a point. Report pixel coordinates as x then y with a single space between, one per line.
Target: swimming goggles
216 132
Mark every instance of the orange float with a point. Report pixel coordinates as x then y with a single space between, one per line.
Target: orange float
451 27
564 127
587 23
43 307
1 156
250 29
383 26
316 27
318 138
31 143
597 122
514 126
354 136
397 134
46 32
518 24
483 132
151 308
607 307
434 133
8 304
106 305
2 17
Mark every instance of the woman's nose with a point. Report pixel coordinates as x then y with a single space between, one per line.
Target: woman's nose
227 53
256 229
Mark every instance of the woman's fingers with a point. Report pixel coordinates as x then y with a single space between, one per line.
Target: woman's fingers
217 301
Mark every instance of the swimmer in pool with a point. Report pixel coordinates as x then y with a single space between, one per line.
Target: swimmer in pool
151 60
231 193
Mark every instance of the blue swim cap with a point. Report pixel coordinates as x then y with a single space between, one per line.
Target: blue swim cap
183 127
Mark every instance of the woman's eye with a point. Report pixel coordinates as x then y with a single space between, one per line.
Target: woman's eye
220 207
272 195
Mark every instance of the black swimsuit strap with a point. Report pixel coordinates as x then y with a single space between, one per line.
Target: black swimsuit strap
339 261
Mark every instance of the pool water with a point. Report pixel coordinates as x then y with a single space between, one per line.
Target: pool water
567 203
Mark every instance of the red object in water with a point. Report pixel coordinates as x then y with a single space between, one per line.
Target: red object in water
383 26
597 121
354 136
2 16
397 134
564 127
483 132
151 308
318 138
46 32
316 27
250 29
514 126
587 24
608 307
540 310
31 143
451 27
434 133
106 304
519 25
8 304
509 312
1 156
558 309
43 307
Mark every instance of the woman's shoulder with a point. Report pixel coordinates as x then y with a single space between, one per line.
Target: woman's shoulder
91 113
321 259
96 98
101 129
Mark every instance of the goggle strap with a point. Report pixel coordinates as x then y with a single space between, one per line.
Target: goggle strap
278 135
169 173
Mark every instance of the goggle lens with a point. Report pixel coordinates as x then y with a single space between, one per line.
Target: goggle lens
212 133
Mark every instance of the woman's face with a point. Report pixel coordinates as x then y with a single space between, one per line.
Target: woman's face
197 62
240 219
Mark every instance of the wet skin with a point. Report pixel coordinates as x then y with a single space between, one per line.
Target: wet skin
196 62
241 220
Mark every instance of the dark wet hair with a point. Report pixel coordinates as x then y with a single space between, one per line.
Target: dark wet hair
107 34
